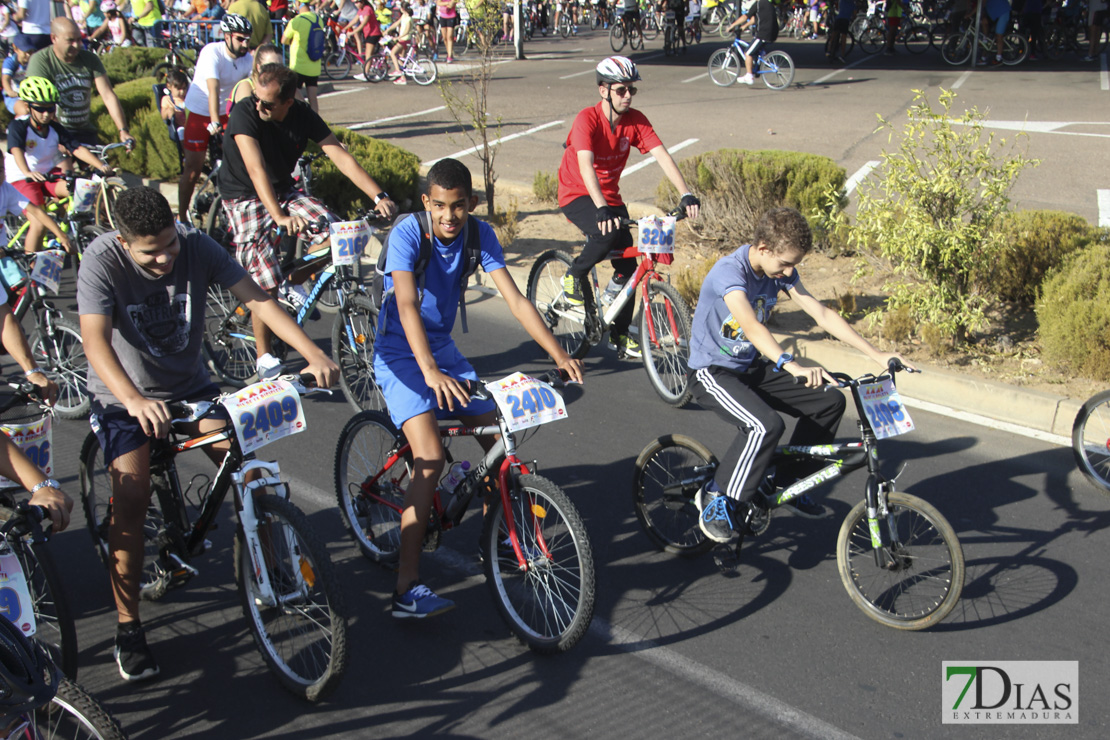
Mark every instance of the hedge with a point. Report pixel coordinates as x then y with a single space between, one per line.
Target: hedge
1074 315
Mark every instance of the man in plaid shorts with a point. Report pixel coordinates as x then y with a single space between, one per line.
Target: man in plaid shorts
266 134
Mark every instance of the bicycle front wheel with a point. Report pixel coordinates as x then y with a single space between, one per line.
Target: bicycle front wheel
665 343
956 49
776 69
915 581
63 357
74 713
337 66
669 472
229 338
302 630
1015 48
724 67
217 225
104 209
352 348
917 39
548 600
871 39
616 36
1090 440
423 69
372 511
545 291
649 28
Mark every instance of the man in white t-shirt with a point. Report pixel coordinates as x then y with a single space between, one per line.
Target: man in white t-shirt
34 19
220 65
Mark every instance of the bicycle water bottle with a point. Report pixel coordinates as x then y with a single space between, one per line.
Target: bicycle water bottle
610 292
450 489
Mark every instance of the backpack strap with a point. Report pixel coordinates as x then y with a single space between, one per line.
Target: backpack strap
472 257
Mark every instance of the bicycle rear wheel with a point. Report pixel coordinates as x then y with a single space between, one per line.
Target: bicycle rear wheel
548 602
1015 48
376 69
74 713
337 66
616 36
352 348
665 343
545 291
776 69
302 631
371 515
871 39
724 67
648 27
917 580
669 472
423 70
229 338
63 358
217 225
1090 440
956 49
917 39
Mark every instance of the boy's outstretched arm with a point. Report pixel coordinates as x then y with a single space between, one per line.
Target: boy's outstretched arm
533 323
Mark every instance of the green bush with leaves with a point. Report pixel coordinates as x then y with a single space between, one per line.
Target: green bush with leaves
545 186
933 210
124 64
736 187
1074 314
1036 243
155 155
395 169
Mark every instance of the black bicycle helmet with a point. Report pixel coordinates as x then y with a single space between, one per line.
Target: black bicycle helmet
616 69
233 23
28 678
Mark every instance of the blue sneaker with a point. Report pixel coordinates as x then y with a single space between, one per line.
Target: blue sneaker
716 520
419 602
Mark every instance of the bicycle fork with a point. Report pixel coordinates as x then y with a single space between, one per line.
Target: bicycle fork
263 543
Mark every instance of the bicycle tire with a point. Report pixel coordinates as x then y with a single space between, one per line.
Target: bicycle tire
689 35
564 27
229 338
899 596
424 70
668 474
375 69
649 29
337 66
548 604
616 36
666 354
86 236
1015 48
917 39
218 226
303 640
96 501
364 447
668 42
545 291
636 39
724 67
63 358
777 69
352 349
871 40
55 629
103 210
1090 440
956 49
74 713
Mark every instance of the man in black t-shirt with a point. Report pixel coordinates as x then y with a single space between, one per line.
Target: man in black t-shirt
265 136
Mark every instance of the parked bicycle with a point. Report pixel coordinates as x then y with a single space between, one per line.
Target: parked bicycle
898 557
664 319
956 49
775 68
535 550
287 585
1090 440
413 64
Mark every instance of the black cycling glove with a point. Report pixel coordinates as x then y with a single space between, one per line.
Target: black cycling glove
607 213
689 200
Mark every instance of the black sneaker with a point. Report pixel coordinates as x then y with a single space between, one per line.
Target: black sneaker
135 661
807 507
716 520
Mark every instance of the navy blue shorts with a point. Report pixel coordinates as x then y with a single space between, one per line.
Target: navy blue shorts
119 432
407 395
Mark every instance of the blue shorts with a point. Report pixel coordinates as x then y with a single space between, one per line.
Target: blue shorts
119 432
1002 23
407 395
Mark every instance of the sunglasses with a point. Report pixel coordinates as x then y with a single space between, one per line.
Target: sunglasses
264 105
620 91
44 108
241 39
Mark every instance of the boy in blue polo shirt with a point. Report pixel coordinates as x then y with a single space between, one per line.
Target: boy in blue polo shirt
417 365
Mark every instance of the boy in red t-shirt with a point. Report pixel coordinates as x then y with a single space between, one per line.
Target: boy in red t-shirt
589 178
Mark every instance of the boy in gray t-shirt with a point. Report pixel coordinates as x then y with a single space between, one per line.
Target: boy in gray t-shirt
141 294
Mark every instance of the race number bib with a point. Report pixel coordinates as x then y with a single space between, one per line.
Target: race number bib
348 241
48 269
15 597
526 402
34 439
656 234
265 412
84 194
885 410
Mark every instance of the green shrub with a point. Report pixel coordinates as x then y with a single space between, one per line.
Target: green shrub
132 62
545 186
736 187
1074 314
395 169
155 155
1036 242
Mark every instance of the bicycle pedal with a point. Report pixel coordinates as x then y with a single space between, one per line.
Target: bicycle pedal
727 560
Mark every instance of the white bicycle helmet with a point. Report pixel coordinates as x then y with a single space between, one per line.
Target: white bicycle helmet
616 69
233 23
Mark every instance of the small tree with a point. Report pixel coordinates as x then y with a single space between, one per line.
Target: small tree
934 212
467 98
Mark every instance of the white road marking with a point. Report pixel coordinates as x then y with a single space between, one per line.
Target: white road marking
501 140
854 181
368 124
1043 127
640 165
1103 208
341 92
693 79
577 74
962 79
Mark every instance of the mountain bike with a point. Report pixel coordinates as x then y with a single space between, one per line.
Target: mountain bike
535 550
626 31
664 318
956 49
287 585
898 557
419 67
775 68
55 340
1090 440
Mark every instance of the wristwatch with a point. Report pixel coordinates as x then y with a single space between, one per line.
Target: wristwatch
380 197
32 371
784 358
48 483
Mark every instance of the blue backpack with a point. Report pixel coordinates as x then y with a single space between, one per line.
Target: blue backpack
317 39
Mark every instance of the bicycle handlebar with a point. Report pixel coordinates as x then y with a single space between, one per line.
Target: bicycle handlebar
28 519
477 390
678 213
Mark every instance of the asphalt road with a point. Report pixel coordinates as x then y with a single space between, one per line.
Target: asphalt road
829 111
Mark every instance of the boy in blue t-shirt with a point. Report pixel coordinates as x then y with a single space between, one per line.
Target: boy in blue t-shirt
728 336
417 365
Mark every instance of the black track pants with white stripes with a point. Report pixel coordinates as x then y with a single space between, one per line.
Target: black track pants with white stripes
752 401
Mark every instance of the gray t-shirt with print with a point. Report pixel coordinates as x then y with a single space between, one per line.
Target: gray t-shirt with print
157 321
